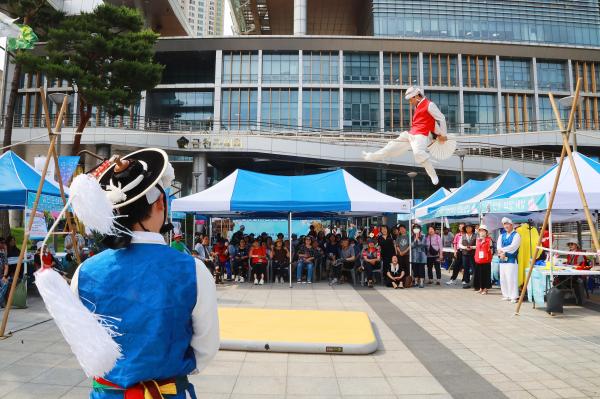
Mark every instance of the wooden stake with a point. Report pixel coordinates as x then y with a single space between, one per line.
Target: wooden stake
565 133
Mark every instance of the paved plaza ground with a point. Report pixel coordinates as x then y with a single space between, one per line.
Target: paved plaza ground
437 342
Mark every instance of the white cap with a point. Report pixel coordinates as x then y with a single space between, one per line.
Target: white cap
506 220
39 244
483 227
412 91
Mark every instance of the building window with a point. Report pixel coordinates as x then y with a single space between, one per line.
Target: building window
361 68
546 120
397 111
401 69
552 76
320 109
481 114
515 74
447 102
240 67
589 72
182 110
280 68
178 70
361 110
279 109
238 109
518 112
321 67
478 71
440 69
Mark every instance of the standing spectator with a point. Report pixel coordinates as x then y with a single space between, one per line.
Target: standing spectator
346 262
258 261
281 261
434 255
395 233
371 260
457 263
447 240
240 261
508 250
9 270
238 235
352 231
177 244
306 258
332 254
312 232
69 248
4 284
386 245
394 274
402 248
467 247
419 255
482 276
319 254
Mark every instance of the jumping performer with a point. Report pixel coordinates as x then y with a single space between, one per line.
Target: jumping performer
427 119
161 301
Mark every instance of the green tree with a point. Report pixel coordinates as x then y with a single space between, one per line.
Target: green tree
40 16
108 57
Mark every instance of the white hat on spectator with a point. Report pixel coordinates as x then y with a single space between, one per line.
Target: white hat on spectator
413 91
483 227
506 220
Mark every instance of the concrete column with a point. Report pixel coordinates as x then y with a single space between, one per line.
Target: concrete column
536 90
217 94
461 96
300 79
421 77
104 150
300 17
499 95
199 172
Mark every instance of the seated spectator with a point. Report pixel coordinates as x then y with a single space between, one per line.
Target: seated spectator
221 252
576 260
281 262
345 263
177 244
206 256
332 254
371 261
69 247
258 261
306 258
319 254
394 274
240 261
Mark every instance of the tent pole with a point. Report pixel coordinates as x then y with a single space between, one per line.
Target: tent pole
551 247
563 153
290 240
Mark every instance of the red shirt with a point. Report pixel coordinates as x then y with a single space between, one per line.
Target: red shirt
47 261
220 250
422 123
260 255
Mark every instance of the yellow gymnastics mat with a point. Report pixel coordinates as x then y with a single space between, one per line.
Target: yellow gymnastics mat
298 331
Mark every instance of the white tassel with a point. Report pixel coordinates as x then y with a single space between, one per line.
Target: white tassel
89 335
91 204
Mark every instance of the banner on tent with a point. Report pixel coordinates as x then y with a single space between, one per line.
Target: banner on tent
67 166
39 229
178 215
48 203
531 203
469 208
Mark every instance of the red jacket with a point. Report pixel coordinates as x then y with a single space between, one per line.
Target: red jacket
422 122
483 251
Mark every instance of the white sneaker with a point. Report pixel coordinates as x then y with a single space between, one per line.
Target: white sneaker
309 282
514 300
451 282
334 281
298 281
241 279
255 281
464 283
261 282
505 299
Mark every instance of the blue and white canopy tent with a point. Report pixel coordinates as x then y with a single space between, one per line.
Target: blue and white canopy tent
19 182
250 194
457 207
434 198
531 200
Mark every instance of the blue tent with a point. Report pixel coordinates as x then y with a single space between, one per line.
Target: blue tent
19 182
466 201
439 195
245 193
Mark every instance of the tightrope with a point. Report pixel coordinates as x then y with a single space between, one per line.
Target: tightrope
24 142
558 251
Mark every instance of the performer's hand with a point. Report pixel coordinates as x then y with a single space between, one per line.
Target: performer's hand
442 139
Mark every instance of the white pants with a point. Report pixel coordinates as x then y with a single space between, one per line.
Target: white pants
404 142
509 280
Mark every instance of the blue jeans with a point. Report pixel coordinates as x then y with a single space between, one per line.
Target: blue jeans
300 266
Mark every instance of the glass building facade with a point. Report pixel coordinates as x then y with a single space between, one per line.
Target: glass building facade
566 22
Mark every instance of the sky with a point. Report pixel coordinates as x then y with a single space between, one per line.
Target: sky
227 22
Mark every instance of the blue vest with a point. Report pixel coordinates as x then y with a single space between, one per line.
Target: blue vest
506 241
152 289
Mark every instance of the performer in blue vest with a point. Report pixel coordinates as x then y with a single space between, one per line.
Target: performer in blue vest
508 249
161 301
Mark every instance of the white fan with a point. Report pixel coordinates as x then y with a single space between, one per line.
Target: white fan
442 151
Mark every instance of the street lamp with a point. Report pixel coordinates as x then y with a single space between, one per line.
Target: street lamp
411 176
462 152
58 98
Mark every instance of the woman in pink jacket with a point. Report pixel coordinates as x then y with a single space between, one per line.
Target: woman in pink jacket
435 255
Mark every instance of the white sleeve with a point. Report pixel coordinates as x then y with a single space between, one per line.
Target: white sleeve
205 318
75 282
514 245
435 112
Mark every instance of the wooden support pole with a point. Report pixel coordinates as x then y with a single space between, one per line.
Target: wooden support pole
565 133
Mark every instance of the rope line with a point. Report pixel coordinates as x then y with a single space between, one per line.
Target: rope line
24 142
